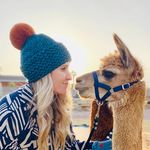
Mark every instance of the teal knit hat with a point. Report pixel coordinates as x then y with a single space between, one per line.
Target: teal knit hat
40 54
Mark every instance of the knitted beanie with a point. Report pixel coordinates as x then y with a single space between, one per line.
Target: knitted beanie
40 54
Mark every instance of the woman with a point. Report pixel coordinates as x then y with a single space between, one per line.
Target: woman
37 115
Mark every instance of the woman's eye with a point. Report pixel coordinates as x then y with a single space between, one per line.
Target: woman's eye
63 68
108 74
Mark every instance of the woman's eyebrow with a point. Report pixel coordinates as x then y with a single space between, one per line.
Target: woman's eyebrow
65 65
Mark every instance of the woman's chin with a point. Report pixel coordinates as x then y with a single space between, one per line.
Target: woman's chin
62 92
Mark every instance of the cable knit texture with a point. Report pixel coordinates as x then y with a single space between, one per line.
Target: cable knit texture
40 54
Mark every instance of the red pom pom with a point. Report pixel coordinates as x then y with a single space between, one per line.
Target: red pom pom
19 33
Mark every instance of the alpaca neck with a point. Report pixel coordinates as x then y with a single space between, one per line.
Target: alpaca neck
127 131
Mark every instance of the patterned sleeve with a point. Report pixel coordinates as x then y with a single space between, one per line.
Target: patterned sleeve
8 131
18 126
92 145
76 144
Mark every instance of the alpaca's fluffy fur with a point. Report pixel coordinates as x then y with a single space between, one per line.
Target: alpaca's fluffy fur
127 105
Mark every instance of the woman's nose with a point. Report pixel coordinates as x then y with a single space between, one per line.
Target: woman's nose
69 76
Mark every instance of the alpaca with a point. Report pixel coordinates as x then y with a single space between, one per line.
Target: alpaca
127 105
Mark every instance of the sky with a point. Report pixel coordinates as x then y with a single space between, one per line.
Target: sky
85 27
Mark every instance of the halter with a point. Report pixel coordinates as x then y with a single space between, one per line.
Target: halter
102 100
109 89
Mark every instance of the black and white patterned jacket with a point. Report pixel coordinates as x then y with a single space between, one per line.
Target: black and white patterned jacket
18 123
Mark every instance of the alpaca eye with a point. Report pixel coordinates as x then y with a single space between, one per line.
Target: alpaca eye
108 74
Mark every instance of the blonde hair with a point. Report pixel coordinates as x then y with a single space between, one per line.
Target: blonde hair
52 107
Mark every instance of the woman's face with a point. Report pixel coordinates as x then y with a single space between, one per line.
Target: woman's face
61 77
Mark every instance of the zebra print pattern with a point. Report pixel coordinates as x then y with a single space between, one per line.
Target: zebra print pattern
18 123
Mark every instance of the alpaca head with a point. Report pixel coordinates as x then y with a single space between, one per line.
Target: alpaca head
115 69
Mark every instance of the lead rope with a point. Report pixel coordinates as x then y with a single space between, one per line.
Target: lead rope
95 124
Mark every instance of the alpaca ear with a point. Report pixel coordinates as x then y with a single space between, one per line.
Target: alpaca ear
126 57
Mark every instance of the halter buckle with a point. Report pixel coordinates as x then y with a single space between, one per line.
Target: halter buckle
125 86
111 90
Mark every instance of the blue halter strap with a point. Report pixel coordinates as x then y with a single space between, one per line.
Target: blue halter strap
109 89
